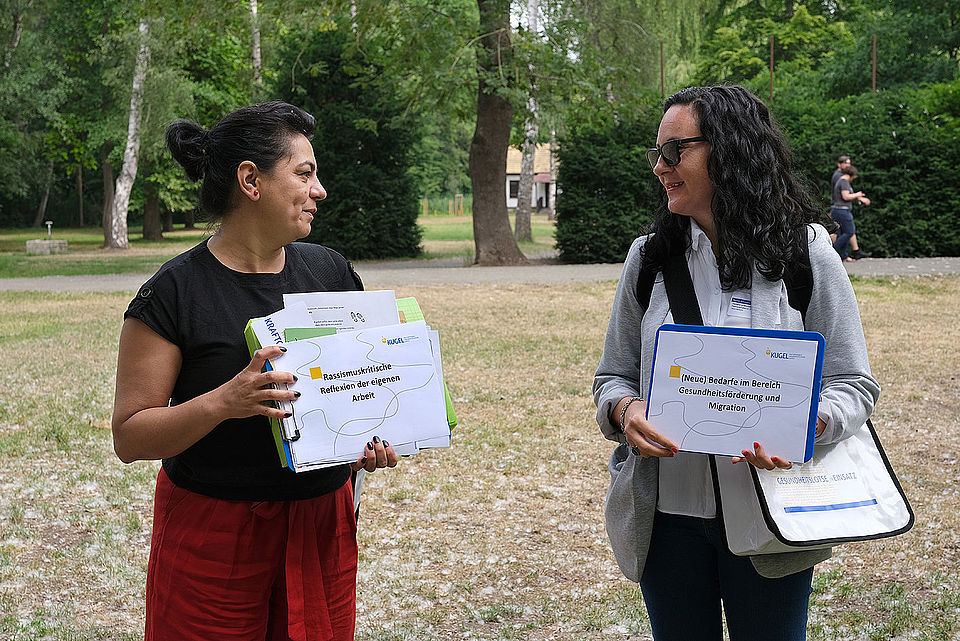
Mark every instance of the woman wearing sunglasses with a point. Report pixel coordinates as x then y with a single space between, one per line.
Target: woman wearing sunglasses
736 213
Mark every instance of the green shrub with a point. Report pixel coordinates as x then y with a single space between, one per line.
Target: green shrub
608 191
361 145
906 145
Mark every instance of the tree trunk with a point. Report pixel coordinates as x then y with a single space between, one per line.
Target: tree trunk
523 231
552 188
151 215
255 26
17 15
79 178
492 237
42 208
167 220
117 238
190 219
107 215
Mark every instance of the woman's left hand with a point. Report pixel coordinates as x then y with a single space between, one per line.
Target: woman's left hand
760 459
376 454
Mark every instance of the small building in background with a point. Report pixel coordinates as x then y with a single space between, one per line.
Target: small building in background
544 179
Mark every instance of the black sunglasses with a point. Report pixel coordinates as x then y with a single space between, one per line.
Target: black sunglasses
670 151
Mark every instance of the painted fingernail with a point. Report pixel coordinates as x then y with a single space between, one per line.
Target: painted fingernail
774 459
282 348
287 414
756 445
369 445
385 444
745 453
363 460
295 379
296 394
675 450
376 439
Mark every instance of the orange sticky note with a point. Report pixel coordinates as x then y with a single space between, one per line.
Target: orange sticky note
315 372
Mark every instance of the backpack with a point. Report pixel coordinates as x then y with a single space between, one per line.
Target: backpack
798 278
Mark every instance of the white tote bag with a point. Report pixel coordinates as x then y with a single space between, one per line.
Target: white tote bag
846 492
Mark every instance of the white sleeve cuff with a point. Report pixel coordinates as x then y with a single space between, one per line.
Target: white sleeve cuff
824 414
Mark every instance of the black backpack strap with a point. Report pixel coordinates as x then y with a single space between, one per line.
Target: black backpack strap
680 291
644 287
798 277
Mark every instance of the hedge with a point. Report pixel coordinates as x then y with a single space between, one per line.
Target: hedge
906 144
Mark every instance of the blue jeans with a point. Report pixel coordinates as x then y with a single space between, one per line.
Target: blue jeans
844 218
690 571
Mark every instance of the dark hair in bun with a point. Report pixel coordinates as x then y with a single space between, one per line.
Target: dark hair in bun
258 133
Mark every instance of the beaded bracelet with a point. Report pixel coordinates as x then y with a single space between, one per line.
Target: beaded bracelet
623 412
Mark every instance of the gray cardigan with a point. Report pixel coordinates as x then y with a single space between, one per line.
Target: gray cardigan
848 392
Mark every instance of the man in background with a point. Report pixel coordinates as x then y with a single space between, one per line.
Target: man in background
843 162
841 210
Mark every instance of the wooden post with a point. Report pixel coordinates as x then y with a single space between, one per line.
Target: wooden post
662 89
874 63
771 70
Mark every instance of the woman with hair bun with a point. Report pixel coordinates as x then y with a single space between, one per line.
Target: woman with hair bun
242 547
735 214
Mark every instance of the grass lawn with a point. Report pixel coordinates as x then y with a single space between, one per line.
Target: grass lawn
499 537
443 237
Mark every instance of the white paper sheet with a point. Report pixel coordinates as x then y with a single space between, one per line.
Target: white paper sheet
348 310
380 381
718 390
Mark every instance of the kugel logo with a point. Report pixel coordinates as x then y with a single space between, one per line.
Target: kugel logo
784 356
399 340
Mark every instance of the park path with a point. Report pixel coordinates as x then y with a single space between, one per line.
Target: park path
388 274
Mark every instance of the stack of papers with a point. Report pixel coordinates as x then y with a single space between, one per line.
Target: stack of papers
367 365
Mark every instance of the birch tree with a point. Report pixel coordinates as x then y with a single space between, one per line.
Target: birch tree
117 236
522 228
255 27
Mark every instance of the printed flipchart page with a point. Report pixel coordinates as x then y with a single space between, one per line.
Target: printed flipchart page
380 381
719 390
348 310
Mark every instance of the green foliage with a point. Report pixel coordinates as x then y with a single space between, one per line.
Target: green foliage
738 50
609 192
361 145
906 145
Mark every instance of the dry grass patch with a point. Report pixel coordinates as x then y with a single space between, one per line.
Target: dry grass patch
499 537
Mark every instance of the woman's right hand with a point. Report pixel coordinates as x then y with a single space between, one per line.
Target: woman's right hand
251 390
643 437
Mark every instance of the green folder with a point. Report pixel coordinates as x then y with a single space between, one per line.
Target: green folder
253 344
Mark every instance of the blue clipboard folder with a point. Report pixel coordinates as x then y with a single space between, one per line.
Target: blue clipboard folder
718 390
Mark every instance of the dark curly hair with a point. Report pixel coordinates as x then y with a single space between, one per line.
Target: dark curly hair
258 133
760 207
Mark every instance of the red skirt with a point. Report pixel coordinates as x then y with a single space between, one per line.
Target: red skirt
238 570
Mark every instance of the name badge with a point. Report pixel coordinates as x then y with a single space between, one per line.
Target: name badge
739 306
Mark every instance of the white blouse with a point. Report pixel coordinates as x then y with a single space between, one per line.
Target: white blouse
686 484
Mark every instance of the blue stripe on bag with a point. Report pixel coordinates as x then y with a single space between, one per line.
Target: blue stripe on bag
825 508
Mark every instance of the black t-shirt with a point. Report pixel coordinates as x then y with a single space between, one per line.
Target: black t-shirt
202 307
